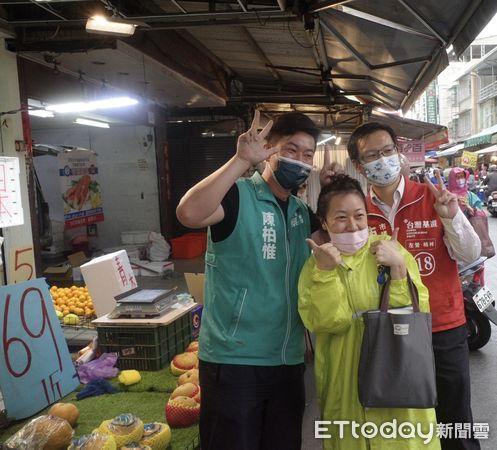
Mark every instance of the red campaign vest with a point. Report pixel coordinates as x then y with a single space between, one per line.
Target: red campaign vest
421 233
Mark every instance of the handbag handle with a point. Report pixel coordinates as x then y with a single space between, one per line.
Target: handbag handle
385 295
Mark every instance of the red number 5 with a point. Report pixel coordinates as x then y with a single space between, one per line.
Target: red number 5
19 265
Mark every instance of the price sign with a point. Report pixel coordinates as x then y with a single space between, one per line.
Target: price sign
11 212
35 365
21 265
483 298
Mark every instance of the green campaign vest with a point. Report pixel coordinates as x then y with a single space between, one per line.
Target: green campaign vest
250 302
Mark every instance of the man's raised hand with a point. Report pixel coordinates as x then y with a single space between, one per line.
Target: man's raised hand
251 146
446 203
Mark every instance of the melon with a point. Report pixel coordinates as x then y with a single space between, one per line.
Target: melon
67 411
183 363
156 435
125 429
182 412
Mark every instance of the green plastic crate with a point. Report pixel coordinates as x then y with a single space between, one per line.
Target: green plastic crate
149 347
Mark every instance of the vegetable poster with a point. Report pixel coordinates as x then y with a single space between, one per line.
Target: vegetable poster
36 369
80 189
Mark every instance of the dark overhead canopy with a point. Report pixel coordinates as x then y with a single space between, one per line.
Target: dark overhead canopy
266 52
413 129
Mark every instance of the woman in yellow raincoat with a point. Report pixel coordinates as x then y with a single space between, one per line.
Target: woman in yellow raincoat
337 283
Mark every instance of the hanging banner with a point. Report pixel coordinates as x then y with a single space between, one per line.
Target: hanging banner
80 190
469 159
414 150
36 369
11 212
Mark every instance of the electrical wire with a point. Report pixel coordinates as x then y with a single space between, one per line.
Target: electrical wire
315 39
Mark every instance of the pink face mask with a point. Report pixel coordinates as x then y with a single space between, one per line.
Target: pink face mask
350 242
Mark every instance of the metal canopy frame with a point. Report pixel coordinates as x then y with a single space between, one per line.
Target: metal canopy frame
274 71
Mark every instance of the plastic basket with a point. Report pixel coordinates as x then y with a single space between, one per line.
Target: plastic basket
189 245
146 347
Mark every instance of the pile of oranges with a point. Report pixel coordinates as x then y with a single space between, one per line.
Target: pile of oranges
73 300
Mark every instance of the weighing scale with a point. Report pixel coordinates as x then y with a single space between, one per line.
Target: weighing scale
143 303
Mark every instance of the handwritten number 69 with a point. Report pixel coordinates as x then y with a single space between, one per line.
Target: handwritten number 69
7 342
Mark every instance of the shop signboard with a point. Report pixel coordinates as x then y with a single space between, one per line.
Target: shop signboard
11 212
433 141
443 162
414 150
81 194
469 159
432 103
36 369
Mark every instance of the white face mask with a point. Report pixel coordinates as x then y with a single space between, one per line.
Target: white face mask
461 182
350 242
383 171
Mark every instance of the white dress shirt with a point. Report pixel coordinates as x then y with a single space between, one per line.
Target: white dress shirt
461 240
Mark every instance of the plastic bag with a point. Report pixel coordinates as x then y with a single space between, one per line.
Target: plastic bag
159 249
102 367
94 440
43 431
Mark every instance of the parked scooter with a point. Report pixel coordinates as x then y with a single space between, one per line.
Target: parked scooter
492 203
479 304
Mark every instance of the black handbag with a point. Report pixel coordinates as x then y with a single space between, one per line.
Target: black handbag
397 366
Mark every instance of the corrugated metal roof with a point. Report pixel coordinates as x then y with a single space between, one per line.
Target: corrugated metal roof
384 52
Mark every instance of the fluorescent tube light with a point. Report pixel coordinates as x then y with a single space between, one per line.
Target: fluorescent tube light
76 107
353 98
41 113
91 123
338 140
329 138
102 25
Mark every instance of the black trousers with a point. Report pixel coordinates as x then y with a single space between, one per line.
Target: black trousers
251 407
453 385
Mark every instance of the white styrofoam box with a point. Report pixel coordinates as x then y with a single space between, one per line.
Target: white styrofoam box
157 269
134 251
134 237
108 276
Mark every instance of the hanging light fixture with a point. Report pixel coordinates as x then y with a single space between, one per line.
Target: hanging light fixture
112 26
91 123
108 103
329 138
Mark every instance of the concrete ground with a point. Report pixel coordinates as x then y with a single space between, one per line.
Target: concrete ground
483 369
483 366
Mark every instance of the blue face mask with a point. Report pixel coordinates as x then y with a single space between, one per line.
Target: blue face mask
290 174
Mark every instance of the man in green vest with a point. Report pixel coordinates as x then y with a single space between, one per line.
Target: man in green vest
252 339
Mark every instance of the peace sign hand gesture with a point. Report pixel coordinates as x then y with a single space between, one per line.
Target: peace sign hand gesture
446 204
251 146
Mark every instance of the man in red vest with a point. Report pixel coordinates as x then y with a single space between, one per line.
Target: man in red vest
436 232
